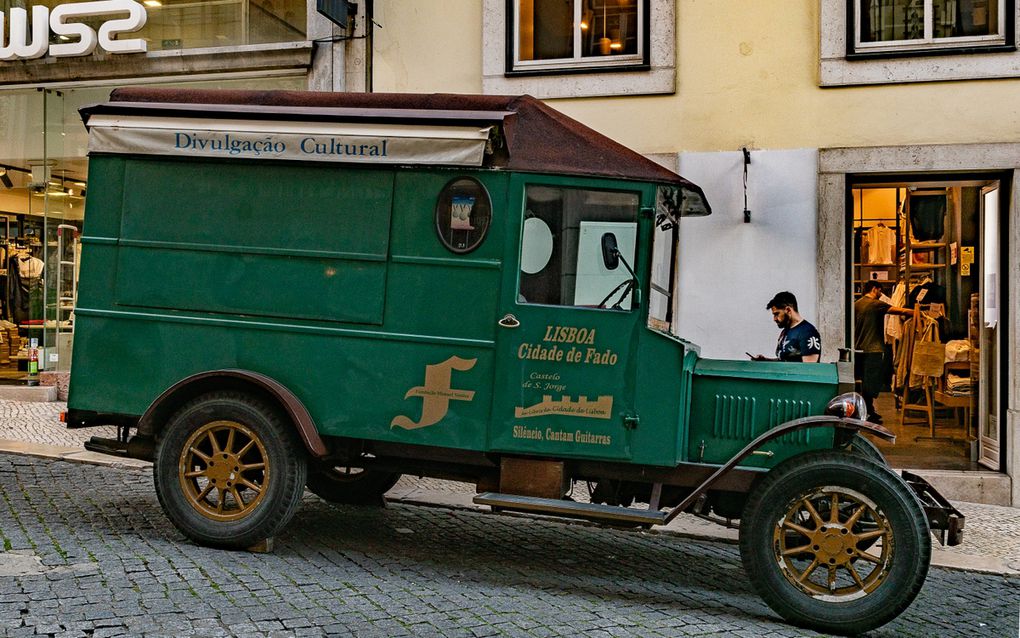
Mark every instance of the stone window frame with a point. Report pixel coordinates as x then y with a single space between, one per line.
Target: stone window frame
574 64
834 165
658 77
838 68
927 44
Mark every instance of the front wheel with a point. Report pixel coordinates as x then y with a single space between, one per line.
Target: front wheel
229 470
835 542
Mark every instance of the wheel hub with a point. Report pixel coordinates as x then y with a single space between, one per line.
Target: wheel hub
223 470
833 544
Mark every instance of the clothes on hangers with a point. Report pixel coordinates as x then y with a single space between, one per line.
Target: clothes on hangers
26 286
913 332
894 323
881 242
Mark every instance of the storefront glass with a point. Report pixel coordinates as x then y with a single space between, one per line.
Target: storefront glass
43 186
192 24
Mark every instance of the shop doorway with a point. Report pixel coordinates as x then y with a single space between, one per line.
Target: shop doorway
933 246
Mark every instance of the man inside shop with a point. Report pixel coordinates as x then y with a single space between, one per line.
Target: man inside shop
869 343
798 339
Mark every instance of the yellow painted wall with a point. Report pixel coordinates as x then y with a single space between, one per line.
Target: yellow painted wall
747 75
428 46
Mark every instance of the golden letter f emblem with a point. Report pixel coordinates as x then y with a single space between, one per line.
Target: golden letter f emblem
436 394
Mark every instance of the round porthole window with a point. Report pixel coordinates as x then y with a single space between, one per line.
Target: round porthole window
463 214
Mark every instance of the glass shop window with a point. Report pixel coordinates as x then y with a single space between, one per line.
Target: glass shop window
578 34
578 248
905 25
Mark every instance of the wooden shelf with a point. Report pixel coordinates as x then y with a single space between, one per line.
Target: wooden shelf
919 267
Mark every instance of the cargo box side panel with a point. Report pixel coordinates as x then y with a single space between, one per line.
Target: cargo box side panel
432 290
361 385
255 239
98 273
286 286
735 401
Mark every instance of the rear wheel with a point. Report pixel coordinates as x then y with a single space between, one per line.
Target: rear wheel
835 542
351 486
229 470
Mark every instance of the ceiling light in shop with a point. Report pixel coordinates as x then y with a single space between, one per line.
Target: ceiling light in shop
153 3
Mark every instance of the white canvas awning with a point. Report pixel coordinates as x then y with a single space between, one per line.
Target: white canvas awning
359 143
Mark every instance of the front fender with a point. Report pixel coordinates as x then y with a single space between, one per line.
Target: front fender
840 424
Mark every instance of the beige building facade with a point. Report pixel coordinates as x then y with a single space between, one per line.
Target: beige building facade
855 114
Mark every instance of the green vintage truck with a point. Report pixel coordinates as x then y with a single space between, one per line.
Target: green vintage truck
282 290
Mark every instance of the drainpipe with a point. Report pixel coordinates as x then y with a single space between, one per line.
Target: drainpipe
369 32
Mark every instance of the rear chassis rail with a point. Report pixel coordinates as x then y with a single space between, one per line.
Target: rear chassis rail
944 520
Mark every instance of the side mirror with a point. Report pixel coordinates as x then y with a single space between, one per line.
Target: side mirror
610 251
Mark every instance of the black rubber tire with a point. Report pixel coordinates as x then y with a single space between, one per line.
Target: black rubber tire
283 484
791 482
864 447
365 487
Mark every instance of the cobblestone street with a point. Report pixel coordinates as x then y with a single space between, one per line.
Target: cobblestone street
87 552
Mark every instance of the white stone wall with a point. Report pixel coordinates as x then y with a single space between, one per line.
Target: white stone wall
729 269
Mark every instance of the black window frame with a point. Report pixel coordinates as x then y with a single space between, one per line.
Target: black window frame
852 53
644 64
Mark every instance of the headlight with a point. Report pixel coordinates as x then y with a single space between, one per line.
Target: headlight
849 405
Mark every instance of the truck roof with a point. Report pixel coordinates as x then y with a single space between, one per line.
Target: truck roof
536 137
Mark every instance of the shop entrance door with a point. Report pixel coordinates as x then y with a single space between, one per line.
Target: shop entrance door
988 389
933 244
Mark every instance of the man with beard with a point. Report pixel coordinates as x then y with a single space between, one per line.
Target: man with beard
798 339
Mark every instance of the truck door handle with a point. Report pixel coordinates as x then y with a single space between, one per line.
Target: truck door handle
509 321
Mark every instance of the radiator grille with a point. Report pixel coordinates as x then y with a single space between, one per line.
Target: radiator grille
783 410
734 417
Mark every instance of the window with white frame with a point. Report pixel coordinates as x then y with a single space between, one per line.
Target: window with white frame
558 35
891 26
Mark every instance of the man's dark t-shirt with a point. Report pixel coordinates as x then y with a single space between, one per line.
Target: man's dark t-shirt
868 324
797 342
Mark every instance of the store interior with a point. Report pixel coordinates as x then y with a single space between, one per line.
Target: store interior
933 247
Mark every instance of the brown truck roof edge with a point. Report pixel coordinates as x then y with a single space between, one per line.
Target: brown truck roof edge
539 138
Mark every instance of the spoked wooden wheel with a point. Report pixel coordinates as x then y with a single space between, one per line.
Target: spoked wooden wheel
224 469
834 544
229 470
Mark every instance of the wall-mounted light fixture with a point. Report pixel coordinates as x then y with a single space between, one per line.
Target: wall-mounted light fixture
747 162
5 179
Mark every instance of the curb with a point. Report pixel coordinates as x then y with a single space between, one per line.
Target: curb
685 527
70 454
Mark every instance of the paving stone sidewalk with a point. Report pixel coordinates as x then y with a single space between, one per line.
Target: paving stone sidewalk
991 537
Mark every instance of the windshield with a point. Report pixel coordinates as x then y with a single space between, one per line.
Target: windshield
663 284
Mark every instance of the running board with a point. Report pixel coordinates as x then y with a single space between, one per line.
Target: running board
570 509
